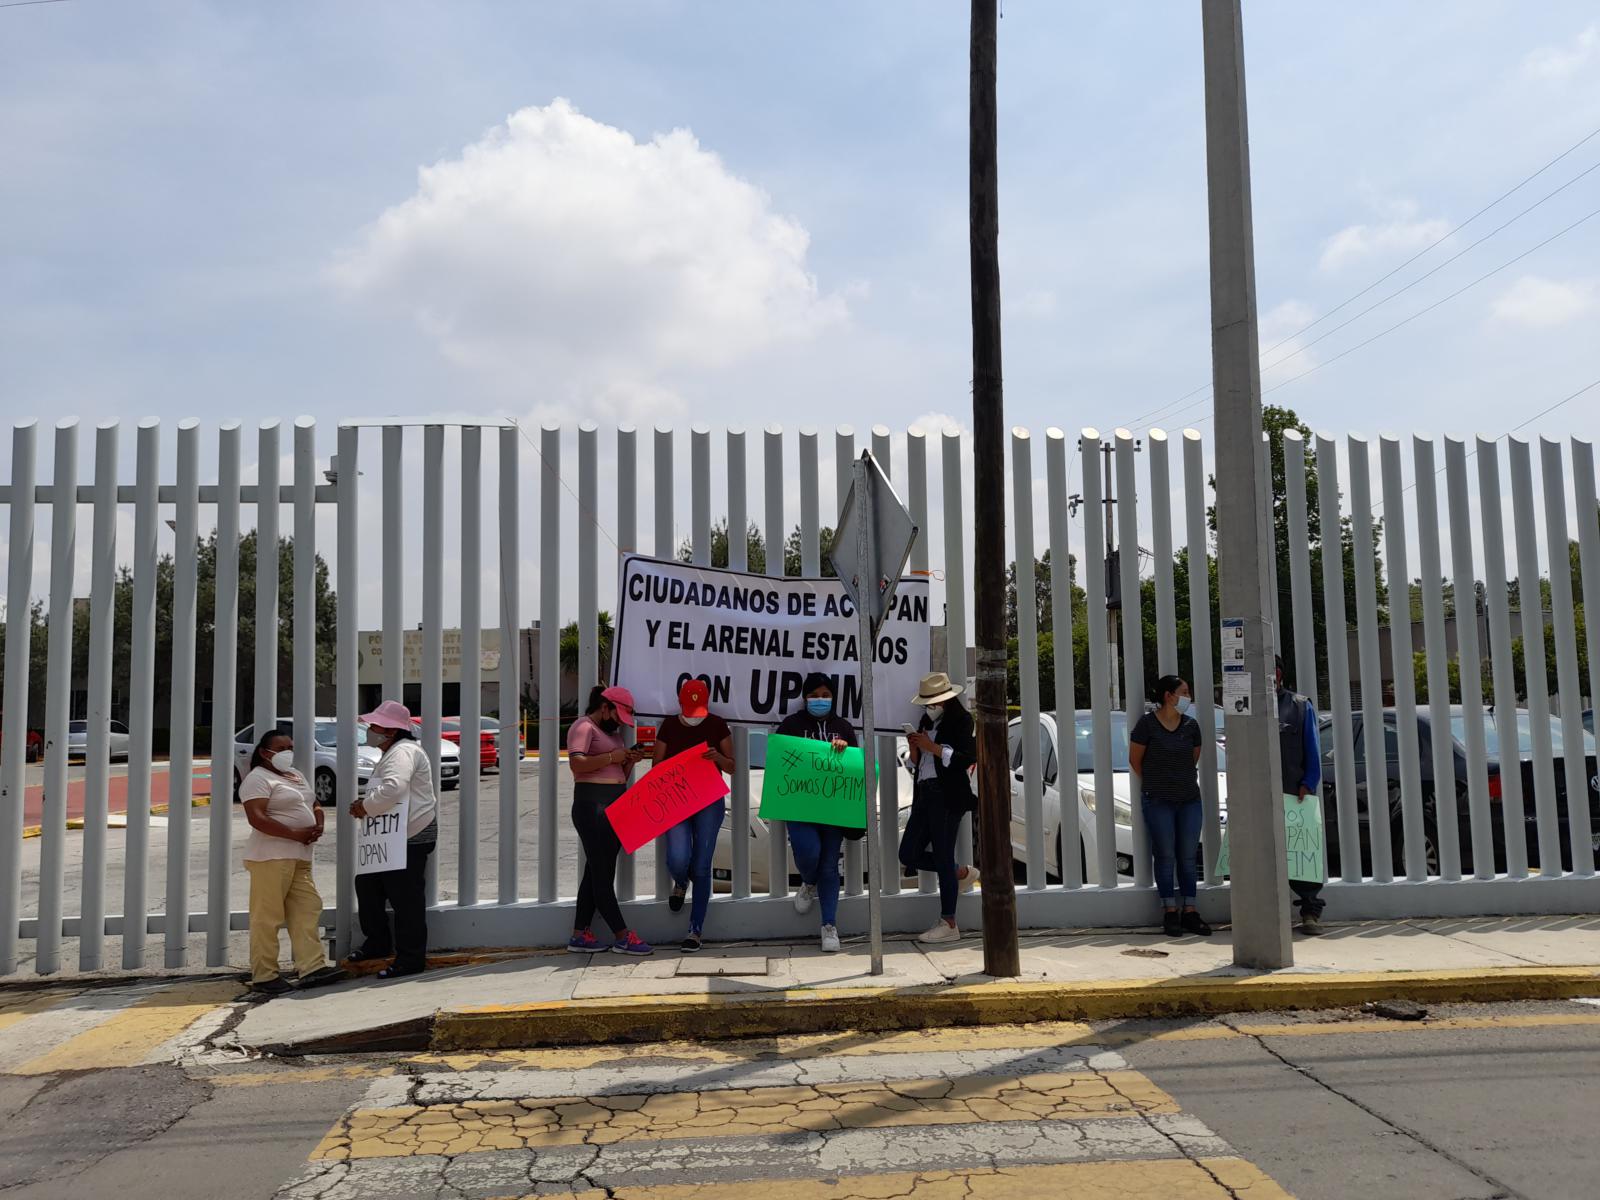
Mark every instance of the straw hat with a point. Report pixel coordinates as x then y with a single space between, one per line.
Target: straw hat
936 689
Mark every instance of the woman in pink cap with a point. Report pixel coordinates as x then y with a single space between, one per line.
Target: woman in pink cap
600 762
403 773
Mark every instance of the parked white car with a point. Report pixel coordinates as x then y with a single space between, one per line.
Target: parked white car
78 740
1084 786
325 759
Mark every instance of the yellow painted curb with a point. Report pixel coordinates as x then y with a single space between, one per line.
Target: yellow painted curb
662 1018
156 810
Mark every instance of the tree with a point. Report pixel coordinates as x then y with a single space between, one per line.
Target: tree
793 556
1044 605
570 641
755 548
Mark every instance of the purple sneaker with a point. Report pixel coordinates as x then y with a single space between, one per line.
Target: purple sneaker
584 942
632 943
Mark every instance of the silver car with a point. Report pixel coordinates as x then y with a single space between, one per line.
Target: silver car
78 739
325 759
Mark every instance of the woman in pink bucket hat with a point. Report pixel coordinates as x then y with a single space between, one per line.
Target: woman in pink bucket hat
403 773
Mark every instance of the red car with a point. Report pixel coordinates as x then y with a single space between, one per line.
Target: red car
488 738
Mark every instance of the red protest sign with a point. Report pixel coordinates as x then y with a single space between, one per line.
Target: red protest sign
676 788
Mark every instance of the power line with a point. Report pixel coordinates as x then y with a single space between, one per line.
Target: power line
28 3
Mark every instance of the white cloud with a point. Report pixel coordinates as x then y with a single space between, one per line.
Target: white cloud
559 256
1540 302
1281 353
1037 304
1356 243
1559 63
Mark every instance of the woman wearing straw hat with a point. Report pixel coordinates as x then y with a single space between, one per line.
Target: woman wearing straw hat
942 751
403 772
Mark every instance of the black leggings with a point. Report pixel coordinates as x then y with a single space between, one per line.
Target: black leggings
406 891
598 888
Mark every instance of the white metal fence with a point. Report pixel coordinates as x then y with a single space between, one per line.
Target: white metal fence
1500 817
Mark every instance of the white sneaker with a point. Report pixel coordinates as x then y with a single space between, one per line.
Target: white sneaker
805 898
940 933
969 880
830 939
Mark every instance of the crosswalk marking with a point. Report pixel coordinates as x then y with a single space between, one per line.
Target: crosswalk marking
113 1027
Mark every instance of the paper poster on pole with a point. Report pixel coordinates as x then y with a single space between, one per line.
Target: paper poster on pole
381 840
1302 837
754 638
675 788
808 780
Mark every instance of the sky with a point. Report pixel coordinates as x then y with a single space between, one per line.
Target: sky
734 214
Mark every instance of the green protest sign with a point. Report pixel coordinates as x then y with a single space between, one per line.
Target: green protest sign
807 780
1302 837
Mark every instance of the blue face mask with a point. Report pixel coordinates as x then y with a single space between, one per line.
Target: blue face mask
819 706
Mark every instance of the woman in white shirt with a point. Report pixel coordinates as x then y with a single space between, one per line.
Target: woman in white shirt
285 823
403 775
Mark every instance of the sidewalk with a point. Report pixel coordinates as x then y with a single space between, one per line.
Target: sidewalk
492 1001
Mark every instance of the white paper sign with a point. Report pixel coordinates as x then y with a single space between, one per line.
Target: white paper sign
381 840
1232 642
1235 691
754 638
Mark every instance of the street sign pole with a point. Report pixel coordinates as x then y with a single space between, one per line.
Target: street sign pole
867 560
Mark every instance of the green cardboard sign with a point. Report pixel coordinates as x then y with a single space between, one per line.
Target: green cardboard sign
808 780
1303 839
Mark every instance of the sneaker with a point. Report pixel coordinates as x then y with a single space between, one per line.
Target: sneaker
1192 923
1310 922
1172 923
805 898
940 933
324 976
675 901
631 943
276 986
691 944
969 880
584 942
830 939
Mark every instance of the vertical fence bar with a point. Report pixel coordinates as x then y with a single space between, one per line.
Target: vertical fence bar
180 753
510 740
777 543
1132 631
1469 657
888 783
1069 839
1300 599
1161 544
1338 633
1583 491
1398 564
433 617
739 560
266 626
1446 802
394 633
1375 758
550 656
141 694
346 703
1503 674
1270 537
58 694
224 698
1532 604
304 674
1201 623
97 755
955 597
665 538
1569 686
1028 655
1094 584
917 499
627 543
588 558
700 494
844 453
19 639
810 507
470 709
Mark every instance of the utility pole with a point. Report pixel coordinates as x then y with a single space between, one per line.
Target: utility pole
1000 954
1260 890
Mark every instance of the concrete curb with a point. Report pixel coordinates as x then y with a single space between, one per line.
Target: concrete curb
664 1018
156 810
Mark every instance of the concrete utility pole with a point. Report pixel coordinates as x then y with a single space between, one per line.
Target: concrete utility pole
1255 809
1000 953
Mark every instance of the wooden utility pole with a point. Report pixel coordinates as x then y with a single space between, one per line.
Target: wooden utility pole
1000 953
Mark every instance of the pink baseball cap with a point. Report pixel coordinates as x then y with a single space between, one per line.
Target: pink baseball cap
622 700
391 714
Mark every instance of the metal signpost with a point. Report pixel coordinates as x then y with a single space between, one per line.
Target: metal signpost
870 548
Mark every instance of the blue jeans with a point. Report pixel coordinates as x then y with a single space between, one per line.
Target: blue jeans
1174 830
816 853
690 845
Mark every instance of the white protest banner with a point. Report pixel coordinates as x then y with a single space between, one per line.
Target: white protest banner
754 639
381 840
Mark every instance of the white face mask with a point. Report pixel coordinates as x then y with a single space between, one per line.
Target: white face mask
934 711
691 722
283 761
1184 704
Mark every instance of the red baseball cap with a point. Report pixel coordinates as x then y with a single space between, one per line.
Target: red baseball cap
692 697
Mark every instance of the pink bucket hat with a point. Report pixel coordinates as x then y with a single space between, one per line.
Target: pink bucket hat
391 714
622 700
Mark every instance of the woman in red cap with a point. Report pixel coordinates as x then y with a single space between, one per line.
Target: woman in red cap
600 762
692 841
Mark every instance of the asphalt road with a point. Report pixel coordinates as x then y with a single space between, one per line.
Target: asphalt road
1477 1102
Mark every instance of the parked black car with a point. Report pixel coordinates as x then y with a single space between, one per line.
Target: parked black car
1430 793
